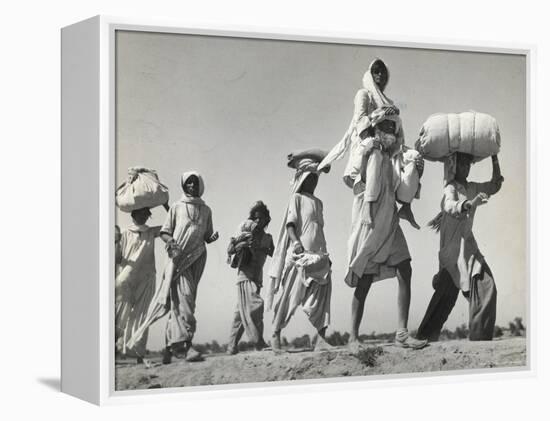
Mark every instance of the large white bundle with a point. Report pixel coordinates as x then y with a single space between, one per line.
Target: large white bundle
142 190
470 132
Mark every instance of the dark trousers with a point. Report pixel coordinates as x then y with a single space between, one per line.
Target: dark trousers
482 299
441 305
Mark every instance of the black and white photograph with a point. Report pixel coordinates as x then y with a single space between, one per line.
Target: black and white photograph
295 210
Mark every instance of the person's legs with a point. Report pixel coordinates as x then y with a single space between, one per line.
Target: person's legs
404 274
482 306
251 306
316 305
237 331
402 338
441 305
358 306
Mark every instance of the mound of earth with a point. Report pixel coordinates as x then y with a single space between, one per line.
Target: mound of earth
266 366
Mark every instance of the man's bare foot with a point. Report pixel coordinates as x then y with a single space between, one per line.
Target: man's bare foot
406 213
354 346
322 345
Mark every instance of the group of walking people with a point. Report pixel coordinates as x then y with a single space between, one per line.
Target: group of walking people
383 175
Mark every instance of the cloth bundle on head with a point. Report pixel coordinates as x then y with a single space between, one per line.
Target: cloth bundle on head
470 132
305 163
142 189
379 98
185 197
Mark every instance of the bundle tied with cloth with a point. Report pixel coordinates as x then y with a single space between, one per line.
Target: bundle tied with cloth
470 132
452 138
309 264
444 134
142 189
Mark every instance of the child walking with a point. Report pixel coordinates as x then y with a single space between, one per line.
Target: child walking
251 240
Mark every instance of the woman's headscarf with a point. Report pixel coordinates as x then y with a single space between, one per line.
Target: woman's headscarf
304 167
370 85
185 197
340 149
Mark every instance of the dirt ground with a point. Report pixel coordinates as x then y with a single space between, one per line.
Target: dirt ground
265 366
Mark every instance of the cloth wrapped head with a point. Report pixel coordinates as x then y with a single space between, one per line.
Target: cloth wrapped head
370 85
305 163
185 176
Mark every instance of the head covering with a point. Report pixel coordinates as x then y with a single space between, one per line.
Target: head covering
185 197
340 149
304 164
368 83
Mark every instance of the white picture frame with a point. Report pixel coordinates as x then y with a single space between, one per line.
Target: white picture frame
88 211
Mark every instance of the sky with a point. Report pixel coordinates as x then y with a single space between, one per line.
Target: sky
233 108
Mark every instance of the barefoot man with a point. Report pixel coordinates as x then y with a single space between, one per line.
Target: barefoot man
377 248
300 272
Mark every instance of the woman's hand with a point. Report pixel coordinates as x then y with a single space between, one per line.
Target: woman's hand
391 110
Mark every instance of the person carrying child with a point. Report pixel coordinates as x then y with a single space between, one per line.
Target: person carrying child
381 171
461 264
247 252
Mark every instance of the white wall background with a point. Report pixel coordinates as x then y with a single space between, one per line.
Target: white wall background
30 159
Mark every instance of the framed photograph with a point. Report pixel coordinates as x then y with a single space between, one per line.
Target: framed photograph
244 210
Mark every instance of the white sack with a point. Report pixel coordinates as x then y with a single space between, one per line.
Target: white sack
470 132
142 190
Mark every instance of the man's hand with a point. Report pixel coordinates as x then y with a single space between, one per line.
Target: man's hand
419 165
298 248
213 237
479 200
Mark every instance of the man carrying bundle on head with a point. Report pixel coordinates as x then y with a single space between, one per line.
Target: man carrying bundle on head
300 271
459 140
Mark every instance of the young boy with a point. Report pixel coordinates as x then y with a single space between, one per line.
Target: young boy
253 241
462 266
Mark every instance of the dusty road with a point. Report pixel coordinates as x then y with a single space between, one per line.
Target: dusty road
265 366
